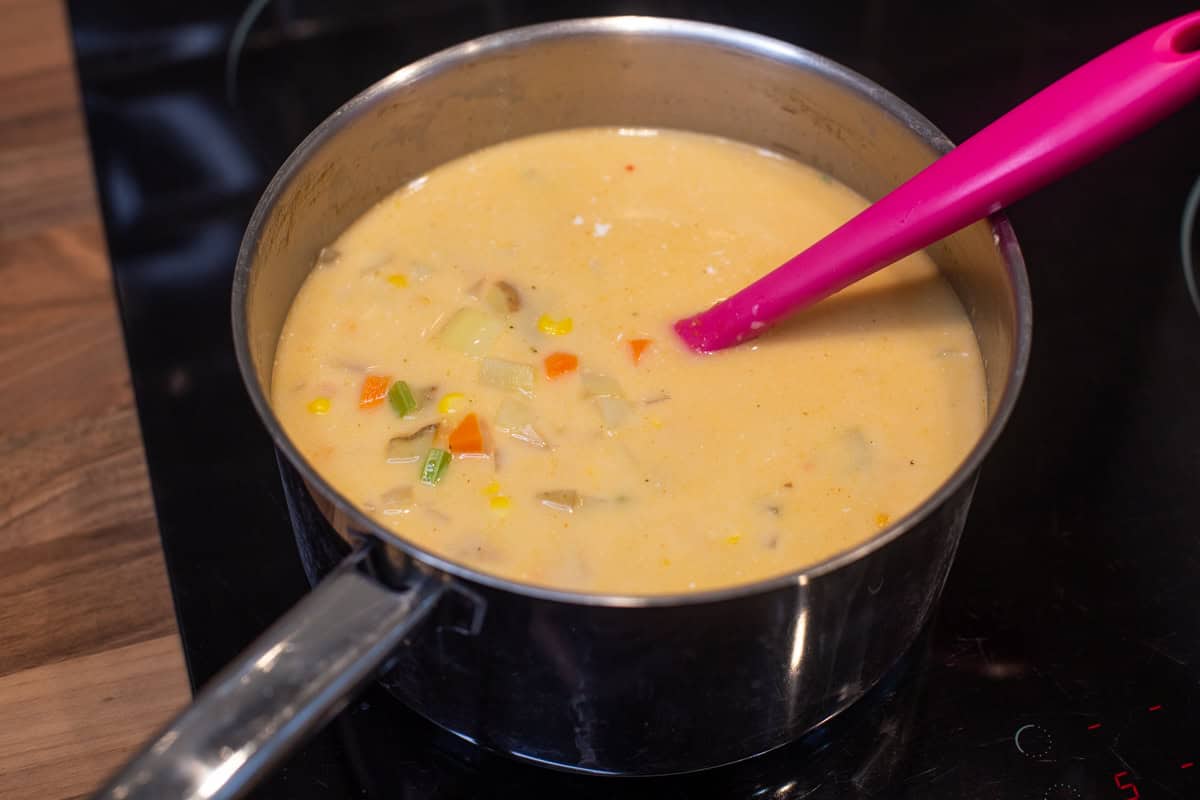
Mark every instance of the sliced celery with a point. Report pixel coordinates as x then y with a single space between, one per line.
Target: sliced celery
434 466
401 399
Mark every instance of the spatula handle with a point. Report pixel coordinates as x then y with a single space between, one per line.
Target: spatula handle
1066 125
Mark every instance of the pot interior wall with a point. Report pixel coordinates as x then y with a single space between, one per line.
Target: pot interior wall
650 76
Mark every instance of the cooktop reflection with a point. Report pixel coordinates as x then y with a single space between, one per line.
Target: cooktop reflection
1065 660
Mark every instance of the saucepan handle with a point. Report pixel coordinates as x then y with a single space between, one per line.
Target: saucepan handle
288 683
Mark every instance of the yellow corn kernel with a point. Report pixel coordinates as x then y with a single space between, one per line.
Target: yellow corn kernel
655 422
398 280
452 403
492 489
882 520
734 539
554 327
666 562
500 504
319 405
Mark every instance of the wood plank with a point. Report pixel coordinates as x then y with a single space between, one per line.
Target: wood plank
59 170
33 38
71 479
45 170
84 594
61 353
69 725
34 111
90 661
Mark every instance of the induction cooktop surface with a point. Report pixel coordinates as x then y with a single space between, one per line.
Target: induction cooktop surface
1064 661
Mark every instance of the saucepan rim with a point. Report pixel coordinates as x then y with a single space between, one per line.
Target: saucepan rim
655 27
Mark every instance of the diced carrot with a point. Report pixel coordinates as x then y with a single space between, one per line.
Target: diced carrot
638 347
374 390
559 364
467 438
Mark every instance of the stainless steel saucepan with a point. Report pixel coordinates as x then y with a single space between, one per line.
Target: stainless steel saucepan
586 682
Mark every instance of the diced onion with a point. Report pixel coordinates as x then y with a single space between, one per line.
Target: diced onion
567 500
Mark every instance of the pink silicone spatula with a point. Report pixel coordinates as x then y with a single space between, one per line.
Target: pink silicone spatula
1061 128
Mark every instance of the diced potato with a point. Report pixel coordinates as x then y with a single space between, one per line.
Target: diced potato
513 413
598 385
470 331
397 501
857 451
613 410
516 419
506 374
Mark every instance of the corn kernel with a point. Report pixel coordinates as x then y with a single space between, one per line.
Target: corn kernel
398 280
319 405
882 520
734 539
501 504
554 327
452 403
492 489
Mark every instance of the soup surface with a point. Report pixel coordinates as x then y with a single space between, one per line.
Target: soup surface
484 363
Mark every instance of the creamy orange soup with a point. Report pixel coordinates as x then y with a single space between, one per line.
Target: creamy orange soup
484 363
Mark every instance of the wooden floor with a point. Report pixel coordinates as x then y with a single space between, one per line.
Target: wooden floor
90 662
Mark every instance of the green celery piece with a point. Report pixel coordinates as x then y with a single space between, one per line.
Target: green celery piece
434 466
401 398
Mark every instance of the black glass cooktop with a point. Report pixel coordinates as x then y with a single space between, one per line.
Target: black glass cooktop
1065 659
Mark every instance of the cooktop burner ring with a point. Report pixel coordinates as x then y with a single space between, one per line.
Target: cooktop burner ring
1189 243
